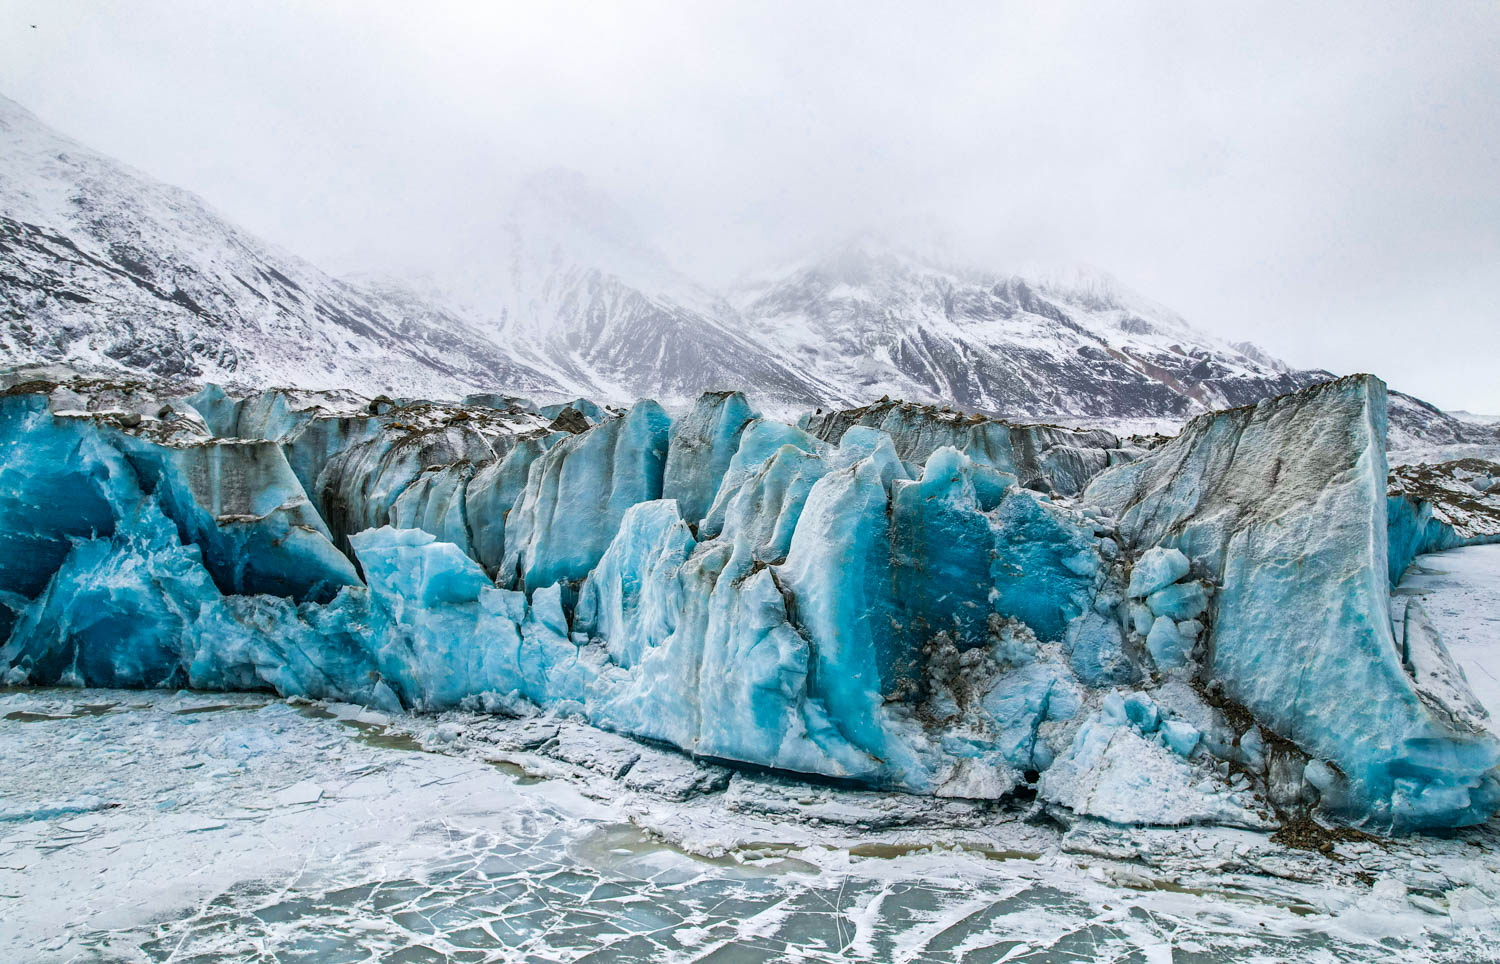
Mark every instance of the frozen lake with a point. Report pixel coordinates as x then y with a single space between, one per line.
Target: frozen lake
153 826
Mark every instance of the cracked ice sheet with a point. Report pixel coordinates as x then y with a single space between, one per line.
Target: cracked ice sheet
1460 589
154 827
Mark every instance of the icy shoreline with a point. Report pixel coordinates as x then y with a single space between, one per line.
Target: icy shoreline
189 825
899 597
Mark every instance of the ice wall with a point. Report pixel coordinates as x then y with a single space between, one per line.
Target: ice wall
1283 506
888 603
1432 508
1047 457
67 477
576 494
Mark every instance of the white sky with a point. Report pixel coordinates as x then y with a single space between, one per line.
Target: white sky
1321 178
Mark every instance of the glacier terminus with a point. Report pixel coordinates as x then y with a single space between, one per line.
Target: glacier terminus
1143 631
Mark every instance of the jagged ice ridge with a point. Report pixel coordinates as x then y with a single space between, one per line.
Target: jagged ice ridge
897 596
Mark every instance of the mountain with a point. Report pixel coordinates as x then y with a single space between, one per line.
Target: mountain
609 315
569 284
102 266
876 319
1422 432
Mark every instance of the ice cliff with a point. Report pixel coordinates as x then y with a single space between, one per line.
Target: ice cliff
1436 507
897 596
1283 506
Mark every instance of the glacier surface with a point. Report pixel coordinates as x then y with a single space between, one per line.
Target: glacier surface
897 597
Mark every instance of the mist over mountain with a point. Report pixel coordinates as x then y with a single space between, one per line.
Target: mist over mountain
106 267
100 265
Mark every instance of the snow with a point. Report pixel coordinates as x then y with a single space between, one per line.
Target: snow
1460 593
1115 772
136 832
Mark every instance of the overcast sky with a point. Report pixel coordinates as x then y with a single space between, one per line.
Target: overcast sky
1321 178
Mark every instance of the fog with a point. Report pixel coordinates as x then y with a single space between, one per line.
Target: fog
1323 179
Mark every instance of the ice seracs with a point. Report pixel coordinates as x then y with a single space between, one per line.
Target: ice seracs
898 596
578 491
1283 505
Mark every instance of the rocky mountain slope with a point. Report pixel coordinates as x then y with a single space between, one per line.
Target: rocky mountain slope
579 289
881 320
607 315
102 266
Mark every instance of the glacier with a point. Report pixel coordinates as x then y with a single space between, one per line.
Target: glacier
1196 630
1283 505
1433 508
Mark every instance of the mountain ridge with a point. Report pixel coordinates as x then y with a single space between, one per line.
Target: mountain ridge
103 267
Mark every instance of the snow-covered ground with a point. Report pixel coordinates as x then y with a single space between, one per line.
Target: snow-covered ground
1433 454
1460 589
191 827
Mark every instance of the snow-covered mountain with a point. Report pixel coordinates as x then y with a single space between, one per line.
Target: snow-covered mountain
570 285
102 266
578 289
876 319
1422 432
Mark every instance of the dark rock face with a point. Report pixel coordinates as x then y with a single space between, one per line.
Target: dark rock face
569 420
